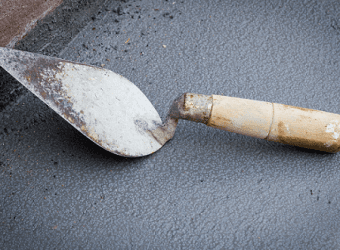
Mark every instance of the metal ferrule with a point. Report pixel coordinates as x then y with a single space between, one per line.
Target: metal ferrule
192 107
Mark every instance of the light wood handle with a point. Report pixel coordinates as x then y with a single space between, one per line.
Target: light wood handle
296 126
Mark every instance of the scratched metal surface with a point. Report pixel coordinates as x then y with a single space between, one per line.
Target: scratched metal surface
92 99
205 188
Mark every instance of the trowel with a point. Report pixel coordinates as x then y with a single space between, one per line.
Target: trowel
113 113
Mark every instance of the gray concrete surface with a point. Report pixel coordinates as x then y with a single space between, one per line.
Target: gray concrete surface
206 189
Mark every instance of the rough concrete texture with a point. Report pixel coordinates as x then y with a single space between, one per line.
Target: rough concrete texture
18 17
205 188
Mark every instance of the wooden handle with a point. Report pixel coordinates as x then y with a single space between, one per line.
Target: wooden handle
296 126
